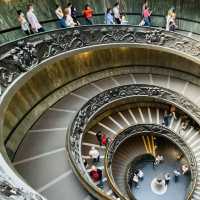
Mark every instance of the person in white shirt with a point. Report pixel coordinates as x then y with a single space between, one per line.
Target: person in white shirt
94 154
158 160
116 13
69 8
32 19
68 18
167 178
140 174
135 179
124 21
185 169
176 175
60 16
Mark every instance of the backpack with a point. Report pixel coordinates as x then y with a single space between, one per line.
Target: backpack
95 176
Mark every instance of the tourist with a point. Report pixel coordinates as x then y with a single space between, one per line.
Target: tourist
94 154
109 18
23 23
158 160
172 20
103 140
68 19
172 113
96 175
99 136
147 14
33 21
88 14
69 8
168 19
185 169
166 118
176 175
74 15
85 163
108 141
140 174
124 21
135 180
183 127
167 178
60 16
116 13
145 4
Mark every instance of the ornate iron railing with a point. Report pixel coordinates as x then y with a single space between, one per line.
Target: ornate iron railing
106 98
148 129
22 55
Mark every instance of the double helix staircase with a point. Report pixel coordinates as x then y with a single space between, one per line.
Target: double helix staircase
42 159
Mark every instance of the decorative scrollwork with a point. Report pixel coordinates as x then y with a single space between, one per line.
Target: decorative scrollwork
22 55
9 190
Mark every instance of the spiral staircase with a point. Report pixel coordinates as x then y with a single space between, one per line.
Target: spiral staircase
38 164
49 140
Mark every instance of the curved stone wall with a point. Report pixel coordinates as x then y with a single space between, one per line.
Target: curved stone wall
44 80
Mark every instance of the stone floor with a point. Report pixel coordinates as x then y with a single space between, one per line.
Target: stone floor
175 191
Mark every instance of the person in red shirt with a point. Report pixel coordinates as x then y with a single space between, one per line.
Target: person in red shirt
146 15
96 175
104 140
88 14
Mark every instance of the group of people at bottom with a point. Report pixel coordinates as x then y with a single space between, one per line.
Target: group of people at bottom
94 153
139 174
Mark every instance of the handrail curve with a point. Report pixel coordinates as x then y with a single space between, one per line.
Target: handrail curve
86 114
22 55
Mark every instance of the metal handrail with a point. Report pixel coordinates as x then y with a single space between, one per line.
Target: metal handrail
22 55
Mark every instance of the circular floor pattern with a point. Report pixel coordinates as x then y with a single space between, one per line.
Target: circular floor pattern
158 186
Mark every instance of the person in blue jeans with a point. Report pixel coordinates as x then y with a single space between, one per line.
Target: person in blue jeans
109 19
166 119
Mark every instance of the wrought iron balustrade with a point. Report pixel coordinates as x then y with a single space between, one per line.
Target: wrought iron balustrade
22 55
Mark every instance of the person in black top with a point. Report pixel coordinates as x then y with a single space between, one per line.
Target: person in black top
99 137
